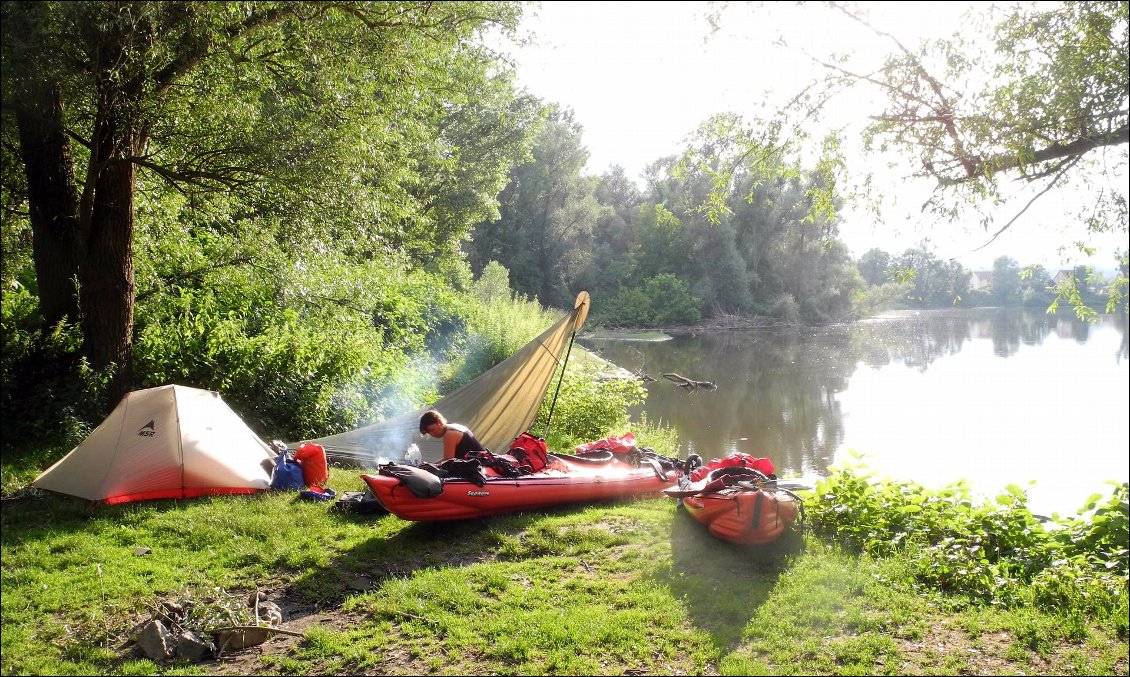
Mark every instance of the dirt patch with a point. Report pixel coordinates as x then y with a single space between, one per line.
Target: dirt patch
985 654
249 661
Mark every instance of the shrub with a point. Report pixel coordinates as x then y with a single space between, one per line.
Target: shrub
496 330
587 408
786 308
998 551
663 300
48 393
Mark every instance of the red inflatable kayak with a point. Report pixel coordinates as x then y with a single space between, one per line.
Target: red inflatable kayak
737 501
414 494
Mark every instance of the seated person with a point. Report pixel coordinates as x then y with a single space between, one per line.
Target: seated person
457 439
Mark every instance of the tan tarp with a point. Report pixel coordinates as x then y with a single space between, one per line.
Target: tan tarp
498 405
166 442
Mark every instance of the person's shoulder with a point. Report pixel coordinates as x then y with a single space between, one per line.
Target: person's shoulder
458 427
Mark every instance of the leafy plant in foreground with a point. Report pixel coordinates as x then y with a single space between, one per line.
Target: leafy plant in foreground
997 552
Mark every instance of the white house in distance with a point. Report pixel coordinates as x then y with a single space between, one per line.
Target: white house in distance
981 280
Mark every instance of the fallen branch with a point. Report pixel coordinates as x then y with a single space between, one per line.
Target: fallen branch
689 383
267 628
646 378
237 637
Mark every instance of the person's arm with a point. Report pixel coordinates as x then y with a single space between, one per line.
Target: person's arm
450 439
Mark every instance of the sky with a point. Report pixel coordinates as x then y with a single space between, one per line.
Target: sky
641 76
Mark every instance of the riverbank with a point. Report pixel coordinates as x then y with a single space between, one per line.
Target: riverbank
719 323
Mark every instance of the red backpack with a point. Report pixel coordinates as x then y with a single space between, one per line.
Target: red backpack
530 451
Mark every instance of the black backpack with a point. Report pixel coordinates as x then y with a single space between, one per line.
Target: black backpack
359 503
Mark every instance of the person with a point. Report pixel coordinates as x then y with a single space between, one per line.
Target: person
457 438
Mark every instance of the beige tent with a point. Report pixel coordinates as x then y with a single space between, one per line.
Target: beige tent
498 405
167 442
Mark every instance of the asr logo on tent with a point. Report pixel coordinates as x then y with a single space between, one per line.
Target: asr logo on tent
148 430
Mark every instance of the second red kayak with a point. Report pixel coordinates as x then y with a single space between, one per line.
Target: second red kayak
738 499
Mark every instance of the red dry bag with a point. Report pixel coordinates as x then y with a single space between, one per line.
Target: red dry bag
530 451
312 458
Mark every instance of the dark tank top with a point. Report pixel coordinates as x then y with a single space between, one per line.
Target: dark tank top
468 443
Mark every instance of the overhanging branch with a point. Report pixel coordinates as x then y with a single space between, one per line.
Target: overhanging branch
1075 149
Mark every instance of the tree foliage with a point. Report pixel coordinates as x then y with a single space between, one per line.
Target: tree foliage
933 282
545 227
265 199
663 255
361 129
874 266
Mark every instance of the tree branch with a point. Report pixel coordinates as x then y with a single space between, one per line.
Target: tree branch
1075 149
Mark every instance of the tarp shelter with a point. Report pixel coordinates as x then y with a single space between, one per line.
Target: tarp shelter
166 442
498 405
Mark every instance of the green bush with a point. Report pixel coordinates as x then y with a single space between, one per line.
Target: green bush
305 353
663 300
495 330
587 408
671 300
786 308
48 393
286 377
995 551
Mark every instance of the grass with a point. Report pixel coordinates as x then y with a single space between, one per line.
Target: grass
620 588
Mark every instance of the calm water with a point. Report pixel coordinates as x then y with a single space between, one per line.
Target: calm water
995 396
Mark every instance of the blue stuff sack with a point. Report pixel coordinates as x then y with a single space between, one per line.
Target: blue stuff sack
287 475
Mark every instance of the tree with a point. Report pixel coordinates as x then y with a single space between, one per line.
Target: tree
661 243
874 265
244 109
933 282
544 231
1038 108
1006 281
493 284
1036 286
613 234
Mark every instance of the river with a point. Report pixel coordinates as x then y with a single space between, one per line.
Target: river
992 396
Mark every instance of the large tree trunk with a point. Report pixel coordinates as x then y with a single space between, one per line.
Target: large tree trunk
106 272
53 202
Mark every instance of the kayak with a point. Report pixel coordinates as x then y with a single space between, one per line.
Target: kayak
737 502
416 494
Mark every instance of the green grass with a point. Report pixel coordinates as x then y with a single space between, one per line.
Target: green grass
615 588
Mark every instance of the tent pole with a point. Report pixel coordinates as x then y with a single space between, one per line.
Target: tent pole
549 419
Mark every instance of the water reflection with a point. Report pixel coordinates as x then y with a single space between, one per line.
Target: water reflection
996 396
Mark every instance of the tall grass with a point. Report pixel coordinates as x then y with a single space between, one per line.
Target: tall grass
496 329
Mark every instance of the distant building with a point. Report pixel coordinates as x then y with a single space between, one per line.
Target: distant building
981 280
1063 275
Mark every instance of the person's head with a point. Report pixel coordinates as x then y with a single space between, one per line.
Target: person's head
432 423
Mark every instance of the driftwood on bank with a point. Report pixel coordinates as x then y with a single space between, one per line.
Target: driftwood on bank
689 383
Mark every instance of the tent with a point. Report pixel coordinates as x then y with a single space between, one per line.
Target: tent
166 442
498 405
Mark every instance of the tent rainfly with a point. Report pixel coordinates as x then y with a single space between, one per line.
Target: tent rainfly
166 442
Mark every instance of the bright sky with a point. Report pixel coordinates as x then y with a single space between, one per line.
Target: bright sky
640 77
